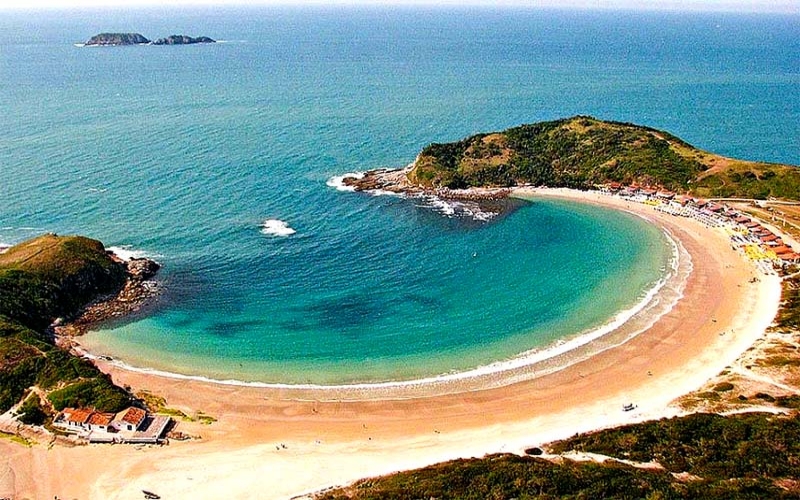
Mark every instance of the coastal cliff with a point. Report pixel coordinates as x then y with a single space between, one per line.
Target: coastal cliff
52 281
582 152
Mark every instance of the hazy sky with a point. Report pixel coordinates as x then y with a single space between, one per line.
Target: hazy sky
782 6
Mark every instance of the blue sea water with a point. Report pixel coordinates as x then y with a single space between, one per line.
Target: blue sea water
184 152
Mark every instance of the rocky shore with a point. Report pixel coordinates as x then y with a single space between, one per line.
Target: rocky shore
138 290
396 181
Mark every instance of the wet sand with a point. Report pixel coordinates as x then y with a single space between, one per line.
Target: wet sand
335 442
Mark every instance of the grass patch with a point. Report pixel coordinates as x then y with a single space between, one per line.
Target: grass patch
205 419
15 438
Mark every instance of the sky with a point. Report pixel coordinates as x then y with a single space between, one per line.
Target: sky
773 6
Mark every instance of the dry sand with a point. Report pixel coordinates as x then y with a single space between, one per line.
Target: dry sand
336 442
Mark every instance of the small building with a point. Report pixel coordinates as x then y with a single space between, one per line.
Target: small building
129 420
782 250
132 425
100 421
665 195
768 238
73 419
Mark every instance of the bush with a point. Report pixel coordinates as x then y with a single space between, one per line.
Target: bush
97 392
31 411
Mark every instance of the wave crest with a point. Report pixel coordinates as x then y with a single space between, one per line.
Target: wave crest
338 181
126 253
276 227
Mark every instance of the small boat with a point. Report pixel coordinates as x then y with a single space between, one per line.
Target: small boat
629 407
150 495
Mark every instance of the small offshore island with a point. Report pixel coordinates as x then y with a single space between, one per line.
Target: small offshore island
726 322
120 39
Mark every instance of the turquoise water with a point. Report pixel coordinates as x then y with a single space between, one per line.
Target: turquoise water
183 153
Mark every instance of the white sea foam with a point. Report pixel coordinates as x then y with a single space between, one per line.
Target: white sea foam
456 208
448 208
276 227
338 181
126 253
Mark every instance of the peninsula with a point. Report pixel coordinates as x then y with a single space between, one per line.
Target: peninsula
583 152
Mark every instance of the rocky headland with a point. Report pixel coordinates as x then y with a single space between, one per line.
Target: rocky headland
138 290
580 152
52 287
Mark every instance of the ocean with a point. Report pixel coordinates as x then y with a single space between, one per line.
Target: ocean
220 161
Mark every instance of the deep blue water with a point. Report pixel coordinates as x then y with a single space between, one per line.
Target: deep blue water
183 152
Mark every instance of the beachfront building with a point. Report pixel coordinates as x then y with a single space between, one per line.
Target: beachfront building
760 244
100 421
132 425
73 419
129 420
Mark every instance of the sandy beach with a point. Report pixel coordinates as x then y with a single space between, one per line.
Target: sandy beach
274 443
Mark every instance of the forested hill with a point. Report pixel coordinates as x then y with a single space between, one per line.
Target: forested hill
581 152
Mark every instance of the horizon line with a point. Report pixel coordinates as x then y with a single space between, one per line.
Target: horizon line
787 7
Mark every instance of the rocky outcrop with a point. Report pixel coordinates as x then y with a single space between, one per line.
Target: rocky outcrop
137 292
396 181
114 39
183 40
392 180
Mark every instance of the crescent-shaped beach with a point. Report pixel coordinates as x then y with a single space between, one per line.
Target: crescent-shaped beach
281 443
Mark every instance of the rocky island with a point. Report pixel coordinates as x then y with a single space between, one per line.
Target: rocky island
581 152
117 39
183 40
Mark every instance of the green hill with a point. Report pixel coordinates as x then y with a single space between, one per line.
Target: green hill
40 280
581 152
700 456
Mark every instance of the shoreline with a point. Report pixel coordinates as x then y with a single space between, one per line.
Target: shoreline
526 365
330 443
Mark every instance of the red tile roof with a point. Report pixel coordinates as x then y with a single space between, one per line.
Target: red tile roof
77 415
100 418
134 416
